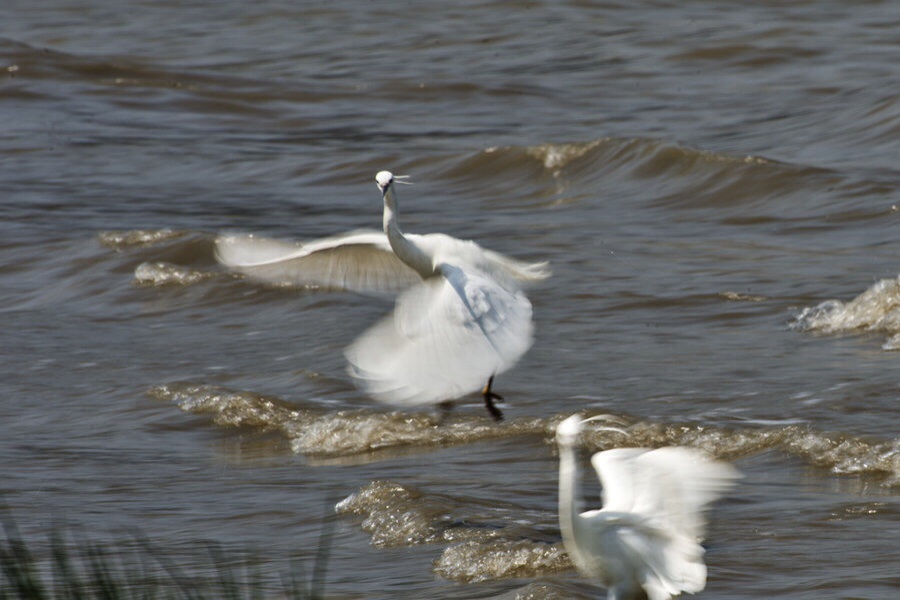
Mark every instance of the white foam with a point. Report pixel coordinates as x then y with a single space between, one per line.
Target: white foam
352 435
163 273
876 309
119 240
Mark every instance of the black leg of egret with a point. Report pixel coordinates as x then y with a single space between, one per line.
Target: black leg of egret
489 398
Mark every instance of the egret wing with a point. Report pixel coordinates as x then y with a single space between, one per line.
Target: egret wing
619 477
443 340
470 256
358 261
666 565
648 530
668 487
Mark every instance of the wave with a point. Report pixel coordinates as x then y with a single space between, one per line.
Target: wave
668 174
642 158
80 273
33 63
489 546
360 434
737 189
171 257
471 562
875 310
345 433
121 240
163 273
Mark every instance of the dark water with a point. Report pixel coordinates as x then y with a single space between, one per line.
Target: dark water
715 185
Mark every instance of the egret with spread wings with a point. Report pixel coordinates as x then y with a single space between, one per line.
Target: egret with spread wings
460 319
646 538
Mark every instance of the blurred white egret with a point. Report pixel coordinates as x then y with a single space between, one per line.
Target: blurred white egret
645 539
460 320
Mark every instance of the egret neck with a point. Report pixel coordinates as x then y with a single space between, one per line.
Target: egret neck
405 250
569 499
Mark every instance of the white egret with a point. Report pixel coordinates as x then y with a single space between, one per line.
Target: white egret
645 539
461 319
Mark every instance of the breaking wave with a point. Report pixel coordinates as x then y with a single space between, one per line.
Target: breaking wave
875 310
673 174
316 433
357 433
120 240
491 546
163 273
475 561
168 257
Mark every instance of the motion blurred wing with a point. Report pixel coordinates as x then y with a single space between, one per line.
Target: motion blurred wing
652 514
668 487
446 336
621 483
668 565
358 261
469 256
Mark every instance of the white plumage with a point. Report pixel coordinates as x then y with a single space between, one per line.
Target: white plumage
461 317
360 261
646 538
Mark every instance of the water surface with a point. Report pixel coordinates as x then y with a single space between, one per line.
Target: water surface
715 185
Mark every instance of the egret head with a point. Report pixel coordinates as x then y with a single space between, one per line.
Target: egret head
567 431
385 179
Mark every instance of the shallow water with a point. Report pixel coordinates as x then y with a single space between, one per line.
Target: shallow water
715 186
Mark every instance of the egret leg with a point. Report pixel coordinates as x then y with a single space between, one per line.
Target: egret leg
489 397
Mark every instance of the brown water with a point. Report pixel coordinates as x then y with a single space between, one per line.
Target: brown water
715 185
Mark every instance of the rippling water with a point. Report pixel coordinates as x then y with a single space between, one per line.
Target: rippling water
715 185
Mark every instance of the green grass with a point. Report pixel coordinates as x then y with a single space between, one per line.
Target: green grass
74 568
